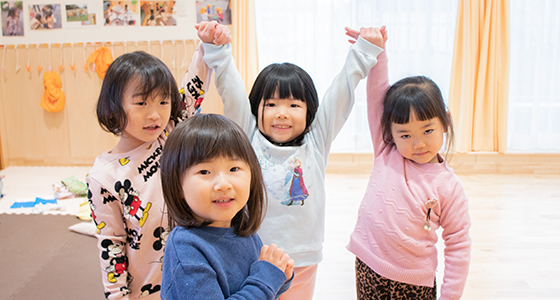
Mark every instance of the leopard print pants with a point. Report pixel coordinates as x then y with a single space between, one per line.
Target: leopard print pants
370 285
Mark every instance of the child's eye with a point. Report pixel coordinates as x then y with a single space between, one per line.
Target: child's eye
164 102
428 131
405 136
141 103
234 169
204 172
270 104
295 105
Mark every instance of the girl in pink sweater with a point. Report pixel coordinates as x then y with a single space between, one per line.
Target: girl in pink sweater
411 193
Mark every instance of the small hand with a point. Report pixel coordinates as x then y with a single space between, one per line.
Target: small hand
354 34
277 257
222 35
213 33
375 36
289 269
206 31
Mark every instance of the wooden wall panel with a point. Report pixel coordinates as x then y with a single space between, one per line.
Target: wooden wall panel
31 136
86 138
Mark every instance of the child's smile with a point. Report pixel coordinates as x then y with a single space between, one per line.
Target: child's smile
282 120
216 190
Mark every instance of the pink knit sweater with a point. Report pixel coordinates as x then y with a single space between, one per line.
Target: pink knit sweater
389 235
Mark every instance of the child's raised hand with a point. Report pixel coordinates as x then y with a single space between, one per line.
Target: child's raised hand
354 34
222 35
207 31
376 36
277 257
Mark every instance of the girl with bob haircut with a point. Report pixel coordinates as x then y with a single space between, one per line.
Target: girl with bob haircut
140 103
411 193
284 81
215 199
152 78
417 96
284 122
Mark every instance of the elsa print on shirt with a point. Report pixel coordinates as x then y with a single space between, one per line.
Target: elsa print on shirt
297 192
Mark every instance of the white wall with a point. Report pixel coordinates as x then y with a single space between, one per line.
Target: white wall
185 16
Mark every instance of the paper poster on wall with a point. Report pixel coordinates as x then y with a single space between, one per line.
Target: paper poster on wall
214 10
45 16
12 18
80 14
121 13
158 13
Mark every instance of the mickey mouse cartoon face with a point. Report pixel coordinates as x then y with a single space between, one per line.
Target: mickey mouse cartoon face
126 192
132 204
112 250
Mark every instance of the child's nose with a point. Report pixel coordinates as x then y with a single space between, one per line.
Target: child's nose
419 144
221 182
281 112
154 115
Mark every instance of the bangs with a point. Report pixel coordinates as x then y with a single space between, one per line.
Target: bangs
284 82
212 140
211 146
154 82
413 98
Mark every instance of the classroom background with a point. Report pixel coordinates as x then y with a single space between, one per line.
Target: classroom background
497 63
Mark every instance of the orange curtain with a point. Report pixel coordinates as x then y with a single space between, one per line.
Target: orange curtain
480 76
244 40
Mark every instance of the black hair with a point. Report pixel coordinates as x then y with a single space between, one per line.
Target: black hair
288 80
154 79
201 138
420 95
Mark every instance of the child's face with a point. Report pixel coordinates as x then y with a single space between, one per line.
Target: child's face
419 141
146 118
282 120
217 190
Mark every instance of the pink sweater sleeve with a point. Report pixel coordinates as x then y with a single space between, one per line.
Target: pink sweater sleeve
377 85
455 221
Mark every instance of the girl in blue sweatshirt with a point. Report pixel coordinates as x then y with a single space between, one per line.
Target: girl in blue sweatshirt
215 197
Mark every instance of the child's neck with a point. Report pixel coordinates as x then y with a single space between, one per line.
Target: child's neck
126 144
293 143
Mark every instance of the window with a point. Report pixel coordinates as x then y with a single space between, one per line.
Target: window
534 85
310 34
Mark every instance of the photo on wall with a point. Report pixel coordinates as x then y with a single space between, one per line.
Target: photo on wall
214 10
158 13
80 14
121 13
12 18
45 16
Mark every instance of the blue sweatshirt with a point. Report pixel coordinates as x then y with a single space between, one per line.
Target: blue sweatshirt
215 263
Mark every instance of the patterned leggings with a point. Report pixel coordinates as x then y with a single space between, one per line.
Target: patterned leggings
370 285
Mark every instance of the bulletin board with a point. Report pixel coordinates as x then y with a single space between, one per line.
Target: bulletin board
79 21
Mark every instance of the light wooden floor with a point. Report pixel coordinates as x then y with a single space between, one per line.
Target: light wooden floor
515 233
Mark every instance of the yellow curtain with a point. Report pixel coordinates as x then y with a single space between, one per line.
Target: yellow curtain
244 40
480 76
